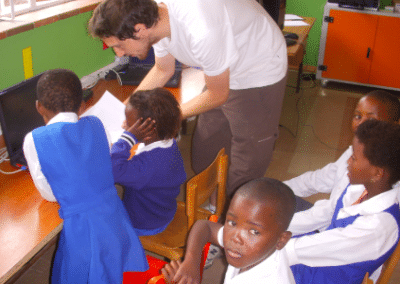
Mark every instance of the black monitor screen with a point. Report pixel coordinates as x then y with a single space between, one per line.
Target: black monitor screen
18 115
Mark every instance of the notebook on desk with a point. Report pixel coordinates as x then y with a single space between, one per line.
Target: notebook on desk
18 117
133 72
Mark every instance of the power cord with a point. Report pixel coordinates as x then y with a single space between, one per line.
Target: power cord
310 77
4 157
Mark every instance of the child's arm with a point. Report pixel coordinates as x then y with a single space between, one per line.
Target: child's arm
35 169
201 233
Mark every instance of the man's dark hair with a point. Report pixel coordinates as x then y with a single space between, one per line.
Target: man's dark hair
390 101
160 105
60 90
118 18
271 191
381 142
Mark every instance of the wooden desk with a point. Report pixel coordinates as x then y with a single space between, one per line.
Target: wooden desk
28 223
296 52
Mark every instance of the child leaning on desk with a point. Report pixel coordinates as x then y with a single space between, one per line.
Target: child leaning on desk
69 160
153 176
357 228
253 237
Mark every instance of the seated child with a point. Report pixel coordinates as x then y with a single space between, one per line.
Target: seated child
69 160
357 229
153 176
377 104
253 237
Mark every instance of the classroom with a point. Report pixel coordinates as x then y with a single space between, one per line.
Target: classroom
314 125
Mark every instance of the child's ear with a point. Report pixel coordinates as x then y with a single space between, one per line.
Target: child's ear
40 108
379 173
82 108
283 239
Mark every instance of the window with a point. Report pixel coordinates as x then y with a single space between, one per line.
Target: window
12 8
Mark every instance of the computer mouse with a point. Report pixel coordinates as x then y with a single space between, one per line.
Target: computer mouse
292 36
290 42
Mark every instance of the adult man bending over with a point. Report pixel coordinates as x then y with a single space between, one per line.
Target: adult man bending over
243 55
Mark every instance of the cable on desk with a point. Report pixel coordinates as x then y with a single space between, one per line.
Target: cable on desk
4 157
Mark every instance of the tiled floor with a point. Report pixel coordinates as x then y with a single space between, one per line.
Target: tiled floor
315 129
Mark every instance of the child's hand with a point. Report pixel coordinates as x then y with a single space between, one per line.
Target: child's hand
177 272
144 131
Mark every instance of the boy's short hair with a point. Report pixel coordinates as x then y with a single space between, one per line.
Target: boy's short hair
390 101
60 90
381 142
118 18
160 105
271 191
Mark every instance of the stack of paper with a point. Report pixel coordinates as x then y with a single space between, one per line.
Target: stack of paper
111 111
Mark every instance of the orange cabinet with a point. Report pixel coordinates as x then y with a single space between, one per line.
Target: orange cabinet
360 47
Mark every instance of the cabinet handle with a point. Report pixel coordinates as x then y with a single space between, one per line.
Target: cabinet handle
368 52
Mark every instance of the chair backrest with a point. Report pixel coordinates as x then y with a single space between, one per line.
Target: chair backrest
387 269
366 279
389 265
159 279
200 187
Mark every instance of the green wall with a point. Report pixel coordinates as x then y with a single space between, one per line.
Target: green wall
63 44
314 8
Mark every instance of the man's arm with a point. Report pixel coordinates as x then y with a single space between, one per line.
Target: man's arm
159 75
216 94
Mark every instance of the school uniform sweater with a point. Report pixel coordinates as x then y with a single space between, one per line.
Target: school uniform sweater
152 179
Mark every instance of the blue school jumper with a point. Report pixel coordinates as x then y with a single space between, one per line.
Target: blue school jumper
97 242
348 273
152 181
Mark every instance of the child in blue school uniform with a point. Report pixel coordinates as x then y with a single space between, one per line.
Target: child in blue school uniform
153 176
69 160
357 229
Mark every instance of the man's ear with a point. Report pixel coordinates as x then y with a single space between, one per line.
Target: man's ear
141 30
283 239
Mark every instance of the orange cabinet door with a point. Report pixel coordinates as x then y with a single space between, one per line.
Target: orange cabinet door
385 68
350 38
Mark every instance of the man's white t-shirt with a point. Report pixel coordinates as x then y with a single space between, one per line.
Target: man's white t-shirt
219 34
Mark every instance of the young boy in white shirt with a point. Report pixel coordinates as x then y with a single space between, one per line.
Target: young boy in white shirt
253 237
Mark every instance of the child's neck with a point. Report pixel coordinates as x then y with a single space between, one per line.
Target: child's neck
376 188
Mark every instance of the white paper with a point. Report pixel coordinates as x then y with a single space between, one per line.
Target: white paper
295 24
292 17
192 83
111 112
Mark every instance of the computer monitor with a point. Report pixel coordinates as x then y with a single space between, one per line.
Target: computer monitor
18 116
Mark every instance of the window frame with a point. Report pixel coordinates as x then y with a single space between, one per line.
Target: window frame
14 10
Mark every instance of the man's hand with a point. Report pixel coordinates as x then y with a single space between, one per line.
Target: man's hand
177 272
144 131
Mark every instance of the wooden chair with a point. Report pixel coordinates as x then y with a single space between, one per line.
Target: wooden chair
387 269
152 275
171 242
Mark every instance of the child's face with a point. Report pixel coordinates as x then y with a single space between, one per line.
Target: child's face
360 171
368 108
251 233
131 115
